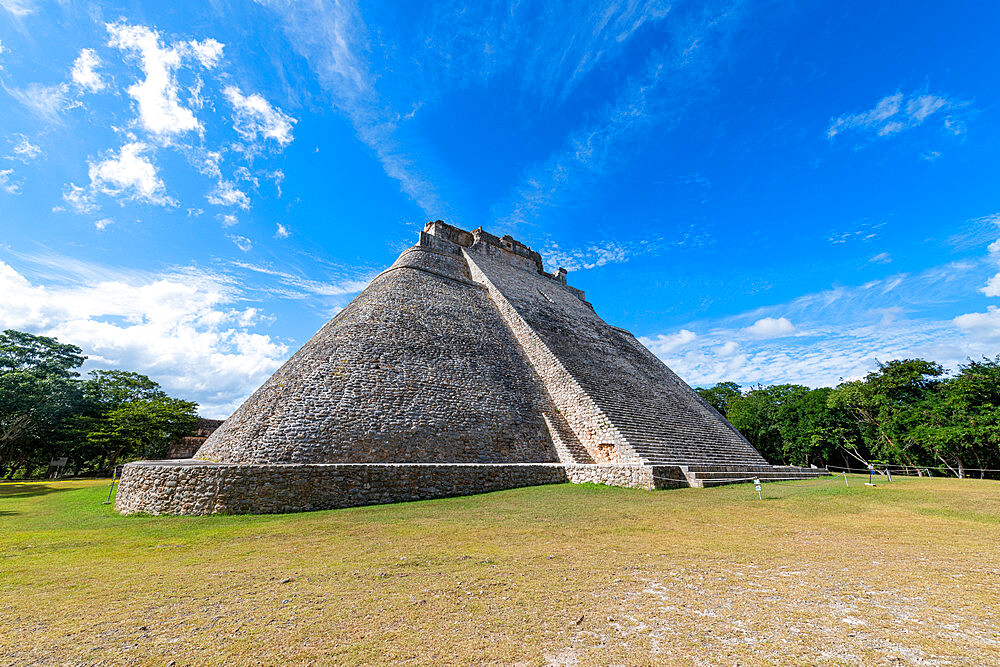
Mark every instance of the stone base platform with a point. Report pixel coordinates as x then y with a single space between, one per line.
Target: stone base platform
192 486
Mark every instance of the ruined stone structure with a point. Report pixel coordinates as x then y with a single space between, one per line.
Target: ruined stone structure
185 448
464 367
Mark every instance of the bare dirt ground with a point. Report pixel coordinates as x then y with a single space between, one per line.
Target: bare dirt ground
815 573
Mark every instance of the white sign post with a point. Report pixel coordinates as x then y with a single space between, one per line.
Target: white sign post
756 486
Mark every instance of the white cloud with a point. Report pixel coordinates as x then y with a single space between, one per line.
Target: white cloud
893 114
242 242
255 117
771 327
84 72
227 194
181 327
25 151
665 344
881 258
282 232
992 286
7 183
205 161
984 326
81 200
228 220
208 52
157 95
102 224
130 175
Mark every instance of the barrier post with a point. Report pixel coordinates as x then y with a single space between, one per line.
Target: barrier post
111 489
845 480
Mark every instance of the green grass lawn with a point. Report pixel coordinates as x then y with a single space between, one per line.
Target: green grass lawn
562 574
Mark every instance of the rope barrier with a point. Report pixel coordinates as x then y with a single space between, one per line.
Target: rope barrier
897 466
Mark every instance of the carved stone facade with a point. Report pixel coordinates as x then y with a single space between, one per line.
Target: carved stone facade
465 351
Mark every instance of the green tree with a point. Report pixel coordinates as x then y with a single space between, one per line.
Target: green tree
39 391
888 406
961 421
721 395
762 415
130 416
792 424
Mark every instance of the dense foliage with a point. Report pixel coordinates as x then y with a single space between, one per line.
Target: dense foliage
906 412
47 411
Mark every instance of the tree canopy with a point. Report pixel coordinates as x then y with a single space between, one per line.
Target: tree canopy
905 412
48 411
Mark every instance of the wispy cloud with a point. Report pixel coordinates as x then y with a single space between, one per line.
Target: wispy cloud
818 339
227 194
242 242
19 8
48 101
332 36
896 113
672 78
157 96
617 251
297 286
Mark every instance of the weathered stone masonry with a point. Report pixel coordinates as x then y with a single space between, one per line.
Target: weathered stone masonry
463 368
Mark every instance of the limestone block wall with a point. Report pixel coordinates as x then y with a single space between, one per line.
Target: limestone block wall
201 487
418 368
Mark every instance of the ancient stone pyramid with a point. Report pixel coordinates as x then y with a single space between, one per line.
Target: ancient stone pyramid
463 367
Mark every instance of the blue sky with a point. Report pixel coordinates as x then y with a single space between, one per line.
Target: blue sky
761 191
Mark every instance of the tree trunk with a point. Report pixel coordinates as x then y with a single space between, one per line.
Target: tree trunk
957 473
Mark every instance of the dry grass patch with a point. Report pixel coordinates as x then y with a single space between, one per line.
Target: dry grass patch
908 572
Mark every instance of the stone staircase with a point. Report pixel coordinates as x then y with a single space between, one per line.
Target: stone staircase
659 440
706 475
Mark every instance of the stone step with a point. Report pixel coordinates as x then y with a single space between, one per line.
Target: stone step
759 475
722 482
726 467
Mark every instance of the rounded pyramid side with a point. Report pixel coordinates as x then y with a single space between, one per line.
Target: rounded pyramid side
418 368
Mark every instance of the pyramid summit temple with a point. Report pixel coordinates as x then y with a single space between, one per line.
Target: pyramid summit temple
464 367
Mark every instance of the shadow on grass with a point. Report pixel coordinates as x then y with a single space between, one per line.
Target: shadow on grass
29 489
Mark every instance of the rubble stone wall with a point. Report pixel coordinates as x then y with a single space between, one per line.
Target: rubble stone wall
201 487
